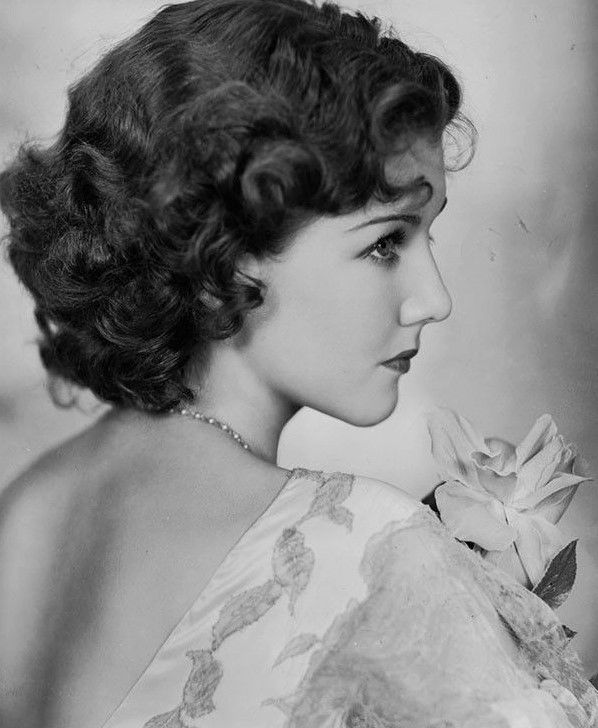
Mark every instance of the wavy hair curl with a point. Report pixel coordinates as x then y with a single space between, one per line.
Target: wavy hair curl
216 130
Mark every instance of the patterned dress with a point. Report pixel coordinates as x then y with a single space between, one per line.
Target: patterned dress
348 605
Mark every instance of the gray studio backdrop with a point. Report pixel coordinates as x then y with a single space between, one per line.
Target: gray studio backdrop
516 245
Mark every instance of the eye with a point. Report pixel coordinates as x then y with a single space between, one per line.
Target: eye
384 251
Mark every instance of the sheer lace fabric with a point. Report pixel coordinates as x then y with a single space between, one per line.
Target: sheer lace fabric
348 605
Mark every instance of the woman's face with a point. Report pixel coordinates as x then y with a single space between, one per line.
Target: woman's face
349 293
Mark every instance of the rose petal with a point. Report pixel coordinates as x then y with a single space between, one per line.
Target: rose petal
553 507
502 458
453 440
545 496
471 515
581 466
543 430
567 457
509 561
536 473
538 541
501 487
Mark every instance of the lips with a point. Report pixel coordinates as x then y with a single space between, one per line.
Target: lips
408 354
400 362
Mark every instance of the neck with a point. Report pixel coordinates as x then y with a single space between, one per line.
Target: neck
236 396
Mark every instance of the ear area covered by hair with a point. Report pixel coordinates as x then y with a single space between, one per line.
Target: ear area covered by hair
250 266
249 271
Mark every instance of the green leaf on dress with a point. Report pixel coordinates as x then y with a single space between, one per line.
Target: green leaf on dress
244 609
297 646
556 584
292 563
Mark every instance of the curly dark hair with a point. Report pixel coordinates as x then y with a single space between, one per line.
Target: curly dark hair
216 130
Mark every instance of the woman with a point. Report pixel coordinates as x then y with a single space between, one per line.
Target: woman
234 223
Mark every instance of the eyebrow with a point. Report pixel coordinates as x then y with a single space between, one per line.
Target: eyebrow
397 216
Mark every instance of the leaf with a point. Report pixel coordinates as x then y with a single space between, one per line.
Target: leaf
317 475
328 498
244 609
200 687
557 582
198 692
165 720
293 563
569 633
342 516
297 646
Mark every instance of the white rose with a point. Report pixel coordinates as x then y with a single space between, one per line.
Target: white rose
503 498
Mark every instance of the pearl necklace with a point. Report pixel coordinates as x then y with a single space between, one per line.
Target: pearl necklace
186 412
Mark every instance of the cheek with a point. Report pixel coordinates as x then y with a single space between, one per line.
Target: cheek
341 319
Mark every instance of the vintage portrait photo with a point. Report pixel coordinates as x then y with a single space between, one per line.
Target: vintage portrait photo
298 364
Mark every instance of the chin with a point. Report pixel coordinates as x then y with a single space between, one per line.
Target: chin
370 414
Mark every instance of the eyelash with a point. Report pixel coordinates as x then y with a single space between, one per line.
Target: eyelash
397 238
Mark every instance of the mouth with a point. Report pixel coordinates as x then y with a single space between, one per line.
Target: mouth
401 362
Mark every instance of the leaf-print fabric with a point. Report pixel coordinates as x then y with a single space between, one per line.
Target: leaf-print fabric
244 609
297 646
348 605
197 693
292 562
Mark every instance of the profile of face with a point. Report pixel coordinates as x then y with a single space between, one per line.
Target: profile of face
348 293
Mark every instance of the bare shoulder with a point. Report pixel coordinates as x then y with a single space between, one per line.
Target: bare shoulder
33 508
126 509
39 540
36 504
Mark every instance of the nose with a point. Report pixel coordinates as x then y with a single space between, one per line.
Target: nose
426 298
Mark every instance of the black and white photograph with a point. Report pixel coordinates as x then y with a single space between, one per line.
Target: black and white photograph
298 364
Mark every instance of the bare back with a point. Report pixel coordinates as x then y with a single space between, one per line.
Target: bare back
104 544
